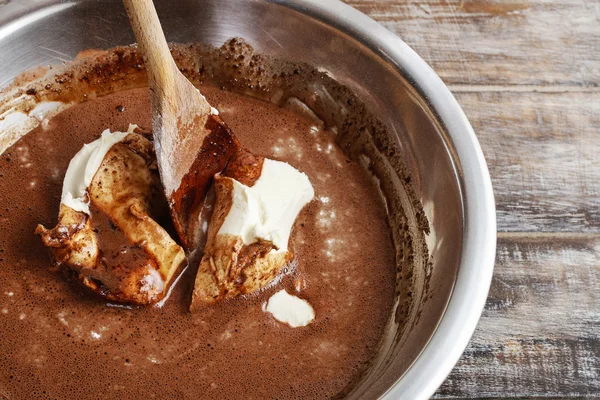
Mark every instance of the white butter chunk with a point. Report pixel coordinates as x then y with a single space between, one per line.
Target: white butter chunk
268 209
84 166
290 309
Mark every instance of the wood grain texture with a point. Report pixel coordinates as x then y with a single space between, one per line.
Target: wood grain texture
543 151
527 74
540 332
499 42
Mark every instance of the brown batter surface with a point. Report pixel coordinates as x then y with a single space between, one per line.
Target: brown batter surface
59 341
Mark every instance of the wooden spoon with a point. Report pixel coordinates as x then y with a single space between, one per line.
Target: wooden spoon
191 141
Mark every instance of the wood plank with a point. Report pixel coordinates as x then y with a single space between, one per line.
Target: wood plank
543 151
540 332
498 42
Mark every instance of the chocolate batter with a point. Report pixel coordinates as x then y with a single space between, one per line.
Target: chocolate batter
59 341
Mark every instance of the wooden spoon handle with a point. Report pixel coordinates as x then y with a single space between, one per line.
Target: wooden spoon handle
161 69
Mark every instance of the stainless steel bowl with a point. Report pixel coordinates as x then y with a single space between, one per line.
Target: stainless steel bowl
437 142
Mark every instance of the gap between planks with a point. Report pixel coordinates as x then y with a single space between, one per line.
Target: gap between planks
523 88
548 235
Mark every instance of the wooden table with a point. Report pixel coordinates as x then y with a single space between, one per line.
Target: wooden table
527 74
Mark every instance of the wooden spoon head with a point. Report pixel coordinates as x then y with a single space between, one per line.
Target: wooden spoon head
218 146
